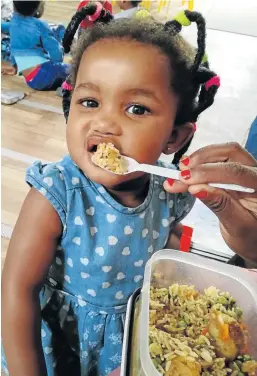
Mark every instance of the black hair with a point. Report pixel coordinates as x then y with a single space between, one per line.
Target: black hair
104 17
26 8
191 70
135 3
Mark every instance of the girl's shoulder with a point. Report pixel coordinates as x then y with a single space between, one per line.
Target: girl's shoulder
55 181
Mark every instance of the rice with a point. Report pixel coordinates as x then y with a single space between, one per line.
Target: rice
193 333
109 158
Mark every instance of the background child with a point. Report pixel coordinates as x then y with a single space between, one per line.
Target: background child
91 232
35 47
131 9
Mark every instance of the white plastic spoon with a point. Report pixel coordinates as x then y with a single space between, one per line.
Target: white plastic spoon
133 166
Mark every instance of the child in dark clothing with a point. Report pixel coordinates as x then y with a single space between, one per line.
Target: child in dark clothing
36 48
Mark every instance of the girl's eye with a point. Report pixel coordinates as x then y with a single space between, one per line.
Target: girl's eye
137 109
90 103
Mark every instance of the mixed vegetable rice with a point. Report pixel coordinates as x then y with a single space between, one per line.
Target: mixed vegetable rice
194 333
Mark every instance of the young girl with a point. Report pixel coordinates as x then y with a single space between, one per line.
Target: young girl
84 235
35 48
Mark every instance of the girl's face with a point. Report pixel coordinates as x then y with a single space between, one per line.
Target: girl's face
122 95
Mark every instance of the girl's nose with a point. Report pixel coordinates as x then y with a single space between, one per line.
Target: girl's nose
107 124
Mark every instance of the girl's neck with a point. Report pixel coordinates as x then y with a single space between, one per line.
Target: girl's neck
131 194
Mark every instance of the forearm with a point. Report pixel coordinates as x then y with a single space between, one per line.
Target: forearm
21 334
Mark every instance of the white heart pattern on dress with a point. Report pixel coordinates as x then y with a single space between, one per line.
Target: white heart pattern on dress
101 189
81 302
90 211
48 180
171 203
165 222
162 195
144 232
99 199
91 292
142 215
67 278
99 251
93 231
78 221
105 285
119 295
106 268
138 278
76 240
112 240
43 333
58 261
128 230
150 249
84 261
75 181
84 275
70 262
111 218
43 191
155 234
138 263
120 276
48 350
126 251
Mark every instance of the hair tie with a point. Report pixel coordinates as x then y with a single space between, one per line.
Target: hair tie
66 86
205 58
182 19
97 13
214 81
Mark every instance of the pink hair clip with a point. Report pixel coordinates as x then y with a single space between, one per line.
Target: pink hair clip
66 86
214 81
97 13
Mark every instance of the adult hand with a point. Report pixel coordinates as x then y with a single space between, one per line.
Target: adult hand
237 211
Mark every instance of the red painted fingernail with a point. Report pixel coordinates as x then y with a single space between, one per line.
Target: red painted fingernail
201 195
185 161
186 174
171 182
194 127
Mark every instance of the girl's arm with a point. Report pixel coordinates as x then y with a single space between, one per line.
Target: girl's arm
29 256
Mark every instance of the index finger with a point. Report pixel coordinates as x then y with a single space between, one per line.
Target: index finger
228 152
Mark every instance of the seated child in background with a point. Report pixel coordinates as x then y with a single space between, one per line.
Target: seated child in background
36 48
67 281
131 9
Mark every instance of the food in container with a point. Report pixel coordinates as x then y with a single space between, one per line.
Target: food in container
108 157
193 333
172 275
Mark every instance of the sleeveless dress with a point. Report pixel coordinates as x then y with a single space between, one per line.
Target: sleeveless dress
98 264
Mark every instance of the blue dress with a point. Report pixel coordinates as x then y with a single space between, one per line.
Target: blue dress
98 264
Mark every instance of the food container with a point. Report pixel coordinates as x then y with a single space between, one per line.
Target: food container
185 268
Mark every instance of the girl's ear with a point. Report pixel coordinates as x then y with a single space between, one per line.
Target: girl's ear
180 136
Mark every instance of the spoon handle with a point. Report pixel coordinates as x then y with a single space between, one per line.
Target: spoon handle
174 174
161 171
